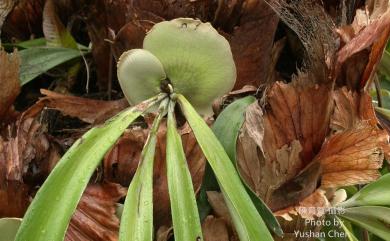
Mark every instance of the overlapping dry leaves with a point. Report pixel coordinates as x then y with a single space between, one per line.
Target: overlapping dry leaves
313 130
311 136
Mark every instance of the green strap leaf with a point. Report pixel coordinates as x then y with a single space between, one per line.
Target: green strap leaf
38 42
226 128
36 61
383 111
48 216
374 194
373 218
137 216
335 229
186 223
8 228
248 222
347 231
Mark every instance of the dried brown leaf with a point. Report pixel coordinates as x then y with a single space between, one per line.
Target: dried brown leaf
365 38
297 188
293 219
88 110
311 207
217 202
366 30
94 218
259 172
121 162
276 149
215 229
130 36
353 156
174 9
9 77
14 199
26 157
6 7
25 20
164 233
377 8
375 57
218 226
351 108
292 114
251 42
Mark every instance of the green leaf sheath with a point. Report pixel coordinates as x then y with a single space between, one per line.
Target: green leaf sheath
36 61
226 128
376 193
8 228
186 223
48 216
249 225
373 218
228 124
137 216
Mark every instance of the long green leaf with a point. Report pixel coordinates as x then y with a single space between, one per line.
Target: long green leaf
384 111
36 61
226 128
336 229
49 214
137 216
248 222
347 231
228 124
373 218
38 42
186 223
8 228
376 193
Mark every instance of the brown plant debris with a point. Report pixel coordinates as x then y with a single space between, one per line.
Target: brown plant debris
352 157
26 157
6 7
217 202
311 207
284 152
365 38
9 77
275 147
88 110
351 108
24 20
292 114
218 226
94 218
364 42
215 229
